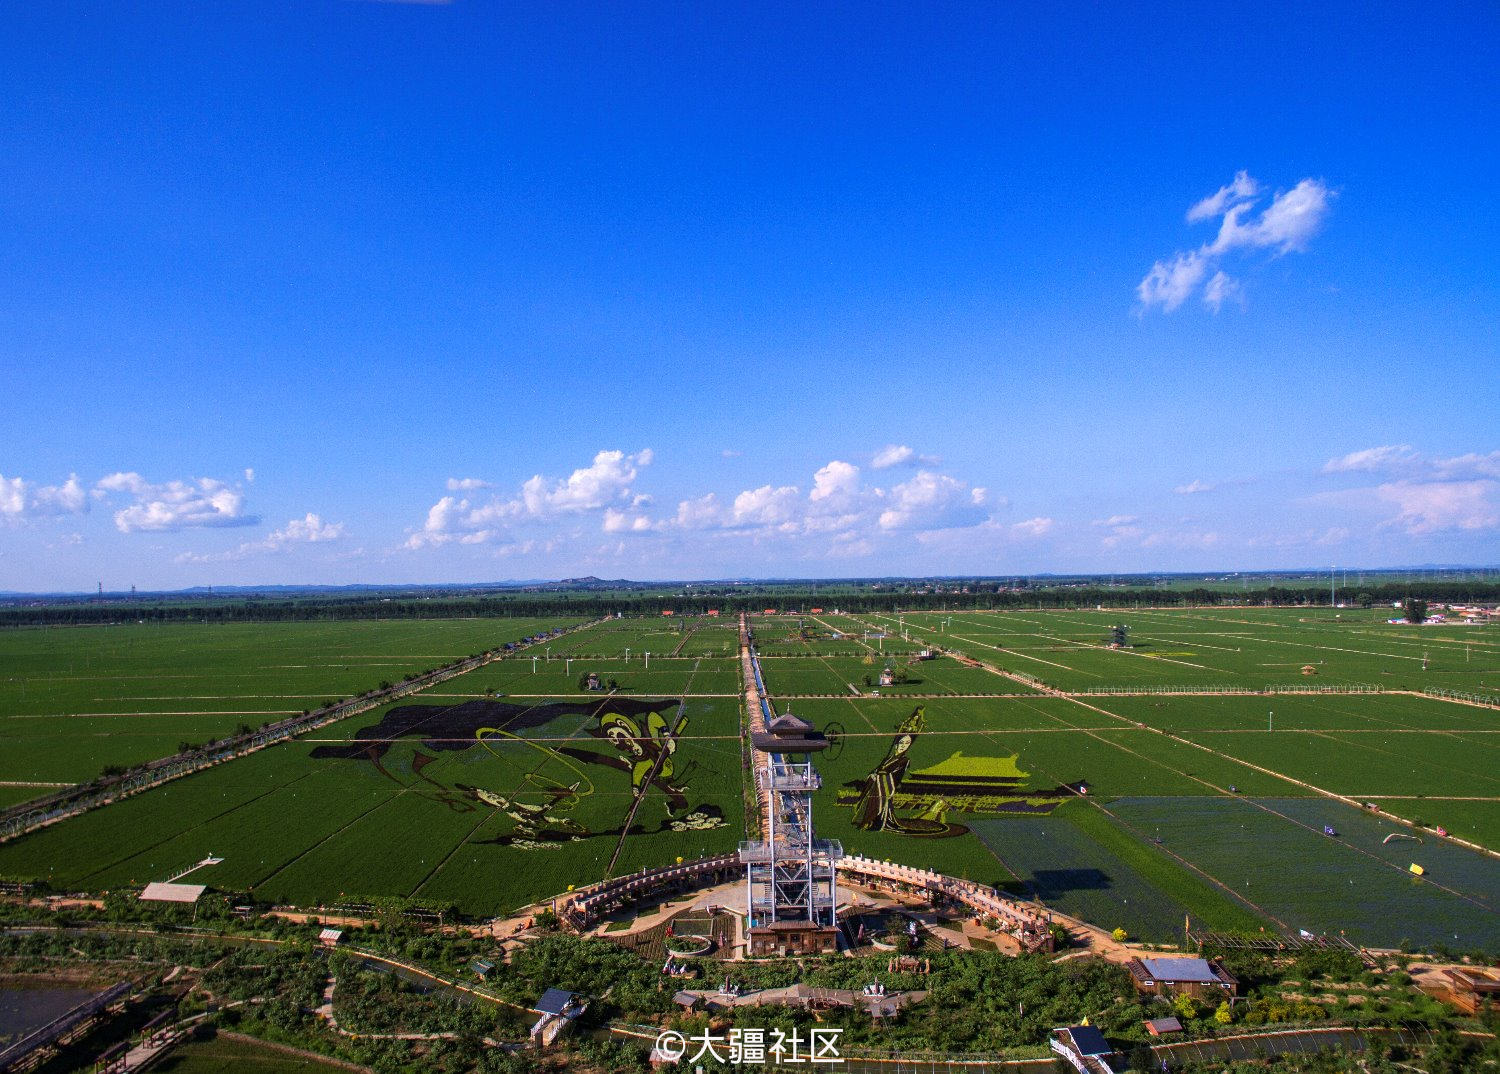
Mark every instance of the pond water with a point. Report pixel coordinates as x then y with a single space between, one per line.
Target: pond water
25 1009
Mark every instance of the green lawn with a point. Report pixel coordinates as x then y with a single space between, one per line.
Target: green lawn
225 1056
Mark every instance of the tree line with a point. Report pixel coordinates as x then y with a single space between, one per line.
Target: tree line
591 604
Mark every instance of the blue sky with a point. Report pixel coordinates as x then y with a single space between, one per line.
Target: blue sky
383 292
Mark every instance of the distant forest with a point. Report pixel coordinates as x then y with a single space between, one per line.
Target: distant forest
783 597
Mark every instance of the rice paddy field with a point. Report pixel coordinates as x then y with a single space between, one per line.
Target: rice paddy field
489 790
75 699
1205 800
505 785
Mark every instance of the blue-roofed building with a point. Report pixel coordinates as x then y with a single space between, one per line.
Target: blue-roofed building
561 1004
1084 1048
1197 977
558 1010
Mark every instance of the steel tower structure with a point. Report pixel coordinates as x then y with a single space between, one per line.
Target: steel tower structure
790 874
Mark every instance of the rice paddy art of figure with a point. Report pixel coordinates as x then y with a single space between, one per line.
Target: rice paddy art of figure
541 766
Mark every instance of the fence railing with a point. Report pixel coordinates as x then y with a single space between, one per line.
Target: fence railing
1167 689
1462 695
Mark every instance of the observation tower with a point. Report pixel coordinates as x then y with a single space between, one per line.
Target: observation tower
789 875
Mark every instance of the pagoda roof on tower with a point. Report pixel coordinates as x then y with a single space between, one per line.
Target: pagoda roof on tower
789 734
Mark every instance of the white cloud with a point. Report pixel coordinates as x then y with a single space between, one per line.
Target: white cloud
617 521
1194 486
1386 457
1117 520
24 501
766 506
1219 289
1242 188
1286 225
1425 507
310 529
588 488
197 502
901 455
892 455
837 505
1472 464
1403 460
1033 527
604 485
835 485
249 475
932 501
1169 283
730 453
701 513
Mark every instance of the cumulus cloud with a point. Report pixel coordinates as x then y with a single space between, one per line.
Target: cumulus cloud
588 488
766 506
1170 282
626 521
1405 460
932 501
835 485
701 513
1286 225
836 506
310 529
202 502
1429 494
1220 288
1194 486
24 501
1033 527
901 455
1471 464
1242 188
1120 529
1425 507
1386 457
603 486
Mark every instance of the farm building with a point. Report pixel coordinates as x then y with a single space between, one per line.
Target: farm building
1083 1047
1160 1027
1197 977
559 1009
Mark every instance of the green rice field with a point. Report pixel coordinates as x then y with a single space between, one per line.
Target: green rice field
1133 787
1169 721
75 699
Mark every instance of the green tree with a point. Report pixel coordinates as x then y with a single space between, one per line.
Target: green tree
1415 610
